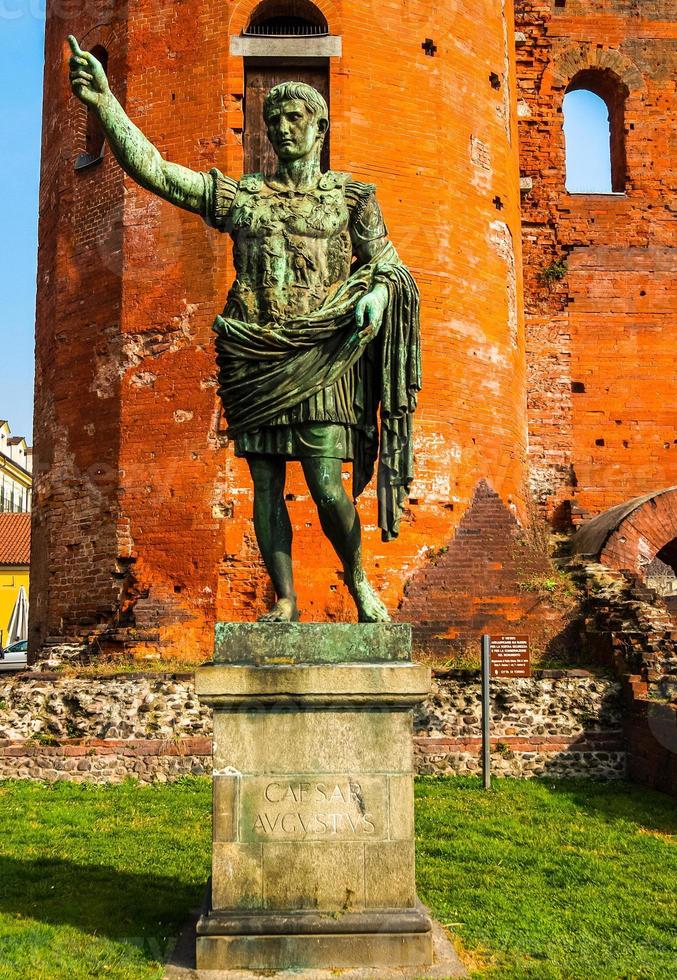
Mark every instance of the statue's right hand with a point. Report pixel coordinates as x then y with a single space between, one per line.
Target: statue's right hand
87 77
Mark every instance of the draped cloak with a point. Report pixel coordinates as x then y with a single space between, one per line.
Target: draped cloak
268 368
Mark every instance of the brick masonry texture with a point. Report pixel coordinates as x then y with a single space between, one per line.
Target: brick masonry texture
471 586
142 519
153 728
651 730
630 630
602 390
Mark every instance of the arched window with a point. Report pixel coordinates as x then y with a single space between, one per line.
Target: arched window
95 137
594 132
287 18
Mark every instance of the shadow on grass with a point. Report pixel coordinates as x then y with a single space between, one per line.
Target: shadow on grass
615 802
540 875
145 910
620 803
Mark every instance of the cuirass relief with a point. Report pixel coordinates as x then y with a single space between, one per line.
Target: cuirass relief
291 251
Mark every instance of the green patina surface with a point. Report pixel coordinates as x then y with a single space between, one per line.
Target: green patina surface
259 644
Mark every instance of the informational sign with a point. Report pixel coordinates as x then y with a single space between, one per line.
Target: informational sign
509 656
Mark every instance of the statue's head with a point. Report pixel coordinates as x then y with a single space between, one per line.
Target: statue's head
297 120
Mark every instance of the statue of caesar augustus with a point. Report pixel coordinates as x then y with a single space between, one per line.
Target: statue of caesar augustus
320 332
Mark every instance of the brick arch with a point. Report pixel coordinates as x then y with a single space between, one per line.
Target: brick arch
103 34
242 12
574 59
629 536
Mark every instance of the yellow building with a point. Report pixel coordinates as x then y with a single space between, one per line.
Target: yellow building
15 554
16 464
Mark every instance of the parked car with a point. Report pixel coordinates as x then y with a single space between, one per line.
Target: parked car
14 656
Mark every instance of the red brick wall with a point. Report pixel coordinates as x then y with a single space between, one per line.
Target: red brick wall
478 582
651 736
170 544
77 406
602 388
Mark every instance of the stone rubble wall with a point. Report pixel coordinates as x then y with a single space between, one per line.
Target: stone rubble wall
557 723
628 627
151 727
123 706
106 760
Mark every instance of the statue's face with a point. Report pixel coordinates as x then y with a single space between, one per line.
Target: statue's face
294 131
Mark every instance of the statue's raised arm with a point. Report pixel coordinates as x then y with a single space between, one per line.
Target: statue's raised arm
134 152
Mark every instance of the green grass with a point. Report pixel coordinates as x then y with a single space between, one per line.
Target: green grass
552 880
538 879
97 881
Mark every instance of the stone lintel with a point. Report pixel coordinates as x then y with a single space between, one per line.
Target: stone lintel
222 686
311 46
261 644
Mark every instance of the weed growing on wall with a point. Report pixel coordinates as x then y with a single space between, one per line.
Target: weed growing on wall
553 273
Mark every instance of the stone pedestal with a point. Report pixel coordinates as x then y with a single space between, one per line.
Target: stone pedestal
313 854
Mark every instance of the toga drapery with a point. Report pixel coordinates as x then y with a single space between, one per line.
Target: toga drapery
270 366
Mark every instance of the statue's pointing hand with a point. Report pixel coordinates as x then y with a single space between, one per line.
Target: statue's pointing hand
369 312
88 79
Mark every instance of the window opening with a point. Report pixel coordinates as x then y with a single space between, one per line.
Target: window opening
294 18
594 107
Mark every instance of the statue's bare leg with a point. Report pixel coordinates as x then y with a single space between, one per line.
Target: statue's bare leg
274 534
341 523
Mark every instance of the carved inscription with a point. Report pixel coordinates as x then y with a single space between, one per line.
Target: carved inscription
302 808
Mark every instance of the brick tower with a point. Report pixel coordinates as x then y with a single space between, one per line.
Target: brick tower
142 529
601 340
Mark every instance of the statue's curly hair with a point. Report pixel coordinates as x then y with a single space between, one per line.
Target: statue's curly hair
287 91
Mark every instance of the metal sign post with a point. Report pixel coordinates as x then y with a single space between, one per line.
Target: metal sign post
502 656
486 744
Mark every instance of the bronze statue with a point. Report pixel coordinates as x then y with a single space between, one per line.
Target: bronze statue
320 332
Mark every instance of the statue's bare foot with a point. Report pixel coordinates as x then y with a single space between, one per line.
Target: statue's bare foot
284 611
370 609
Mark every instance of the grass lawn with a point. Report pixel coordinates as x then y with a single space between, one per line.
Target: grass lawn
552 879
538 879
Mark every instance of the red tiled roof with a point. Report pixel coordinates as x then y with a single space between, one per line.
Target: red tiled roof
15 539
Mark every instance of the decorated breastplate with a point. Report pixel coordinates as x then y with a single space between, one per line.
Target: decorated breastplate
292 249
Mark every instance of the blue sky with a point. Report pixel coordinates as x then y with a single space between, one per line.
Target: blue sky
586 131
21 61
